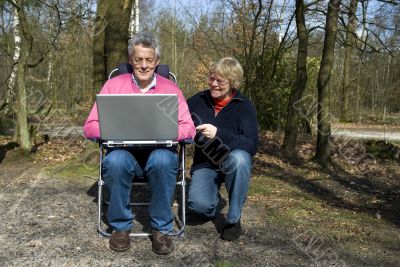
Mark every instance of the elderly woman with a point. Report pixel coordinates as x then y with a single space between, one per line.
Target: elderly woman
226 140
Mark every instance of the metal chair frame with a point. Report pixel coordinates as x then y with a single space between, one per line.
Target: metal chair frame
127 68
180 182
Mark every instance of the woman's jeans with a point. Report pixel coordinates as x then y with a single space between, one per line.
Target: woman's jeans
119 167
204 187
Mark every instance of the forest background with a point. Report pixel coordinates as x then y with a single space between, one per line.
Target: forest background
312 69
307 63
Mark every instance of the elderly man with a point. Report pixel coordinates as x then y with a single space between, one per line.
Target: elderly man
160 165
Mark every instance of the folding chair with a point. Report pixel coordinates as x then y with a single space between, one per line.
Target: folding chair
161 69
141 181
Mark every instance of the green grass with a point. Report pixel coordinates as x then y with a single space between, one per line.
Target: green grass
224 264
18 154
288 206
74 169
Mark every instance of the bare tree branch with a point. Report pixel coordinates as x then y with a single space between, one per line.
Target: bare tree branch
306 6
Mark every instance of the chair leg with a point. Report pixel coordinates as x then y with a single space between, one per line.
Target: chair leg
100 203
181 207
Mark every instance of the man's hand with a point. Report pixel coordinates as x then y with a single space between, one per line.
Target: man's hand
208 130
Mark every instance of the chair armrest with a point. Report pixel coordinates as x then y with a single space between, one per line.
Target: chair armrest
96 140
186 142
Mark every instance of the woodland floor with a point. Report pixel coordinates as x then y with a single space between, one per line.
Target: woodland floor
297 214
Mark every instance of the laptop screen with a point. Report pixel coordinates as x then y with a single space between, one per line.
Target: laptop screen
138 117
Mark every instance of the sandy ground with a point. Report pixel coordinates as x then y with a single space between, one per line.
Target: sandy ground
49 221
375 134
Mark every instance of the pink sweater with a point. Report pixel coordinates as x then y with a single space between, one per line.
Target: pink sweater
123 84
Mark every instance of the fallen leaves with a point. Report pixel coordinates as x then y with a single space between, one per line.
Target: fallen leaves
34 243
61 150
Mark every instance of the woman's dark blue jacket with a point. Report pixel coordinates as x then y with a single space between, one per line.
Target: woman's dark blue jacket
237 128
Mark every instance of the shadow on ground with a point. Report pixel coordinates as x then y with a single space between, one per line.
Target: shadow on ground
366 186
5 148
52 221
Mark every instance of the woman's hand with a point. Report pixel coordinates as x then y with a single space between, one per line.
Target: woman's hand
208 130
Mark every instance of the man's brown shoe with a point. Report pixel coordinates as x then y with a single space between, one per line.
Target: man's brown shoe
120 241
161 243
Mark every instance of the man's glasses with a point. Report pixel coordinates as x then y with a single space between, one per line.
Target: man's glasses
138 61
222 82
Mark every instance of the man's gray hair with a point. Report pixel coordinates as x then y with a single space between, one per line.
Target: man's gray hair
146 40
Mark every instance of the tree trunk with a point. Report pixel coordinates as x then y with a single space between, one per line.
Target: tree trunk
49 73
110 38
26 46
289 143
249 44
134 20
99 57
358 100
117 33
323 150
6 106
22 113
173 39
350 32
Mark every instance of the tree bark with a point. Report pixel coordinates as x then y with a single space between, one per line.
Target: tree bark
249 44
346 85
323 150
110 39
6 107
289 143
99 57
26 47
117 33
134 19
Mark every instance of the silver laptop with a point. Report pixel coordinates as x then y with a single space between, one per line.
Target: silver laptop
138 118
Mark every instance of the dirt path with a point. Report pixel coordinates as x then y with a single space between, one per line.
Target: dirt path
367 131
363 133
48 220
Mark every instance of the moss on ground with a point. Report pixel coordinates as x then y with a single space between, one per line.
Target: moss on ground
348 210
16 154
74 169
355 230
224 264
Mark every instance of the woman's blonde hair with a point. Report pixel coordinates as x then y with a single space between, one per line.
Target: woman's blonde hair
230 69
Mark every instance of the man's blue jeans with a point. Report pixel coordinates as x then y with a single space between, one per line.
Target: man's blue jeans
119 167
204 187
